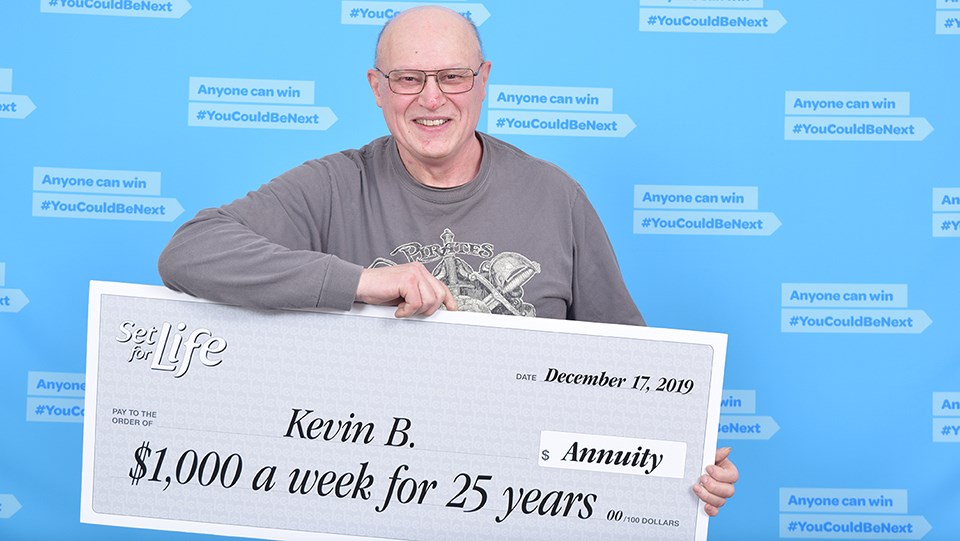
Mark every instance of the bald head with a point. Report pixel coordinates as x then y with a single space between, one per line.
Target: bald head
437 21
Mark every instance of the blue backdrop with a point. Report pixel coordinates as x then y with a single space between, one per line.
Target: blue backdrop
784 172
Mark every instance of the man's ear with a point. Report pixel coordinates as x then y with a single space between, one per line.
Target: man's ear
373 77
484 76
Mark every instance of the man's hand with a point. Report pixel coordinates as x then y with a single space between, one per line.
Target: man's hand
410 287
717 485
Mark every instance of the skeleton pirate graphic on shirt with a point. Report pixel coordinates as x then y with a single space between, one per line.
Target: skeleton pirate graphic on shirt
496 286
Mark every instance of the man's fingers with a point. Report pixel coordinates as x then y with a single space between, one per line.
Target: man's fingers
409 305
707 496
410 291
429 299
444 296
410 286
714 487
724 470
434 293
423 293
450 302
718 488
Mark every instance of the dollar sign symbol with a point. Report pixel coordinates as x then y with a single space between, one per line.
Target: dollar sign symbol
137 472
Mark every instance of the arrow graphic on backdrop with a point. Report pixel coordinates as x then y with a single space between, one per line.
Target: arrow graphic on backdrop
378 13
15 106
946 429
871 321
12 300
713 21
8 506
685 222
948 22
577 124
747 427
259 116
738 4
808 526
169 9
838 128
105 207
946 224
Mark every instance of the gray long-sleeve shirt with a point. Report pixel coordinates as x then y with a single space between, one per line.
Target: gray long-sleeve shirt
521 238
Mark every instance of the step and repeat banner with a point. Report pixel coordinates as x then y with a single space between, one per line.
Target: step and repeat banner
784 172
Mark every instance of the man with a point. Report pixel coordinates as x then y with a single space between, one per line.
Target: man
504 232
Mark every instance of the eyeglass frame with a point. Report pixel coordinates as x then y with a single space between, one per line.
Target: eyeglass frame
434 74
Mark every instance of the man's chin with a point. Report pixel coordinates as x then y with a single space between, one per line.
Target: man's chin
432 152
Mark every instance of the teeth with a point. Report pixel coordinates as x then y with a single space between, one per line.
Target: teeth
430 122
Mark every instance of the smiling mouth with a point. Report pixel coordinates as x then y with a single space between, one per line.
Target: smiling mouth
431 122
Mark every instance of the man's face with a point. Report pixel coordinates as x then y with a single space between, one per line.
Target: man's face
432 129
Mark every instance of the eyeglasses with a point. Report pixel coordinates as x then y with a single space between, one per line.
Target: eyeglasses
451 80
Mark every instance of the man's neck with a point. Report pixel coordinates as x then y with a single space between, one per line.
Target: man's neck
447 173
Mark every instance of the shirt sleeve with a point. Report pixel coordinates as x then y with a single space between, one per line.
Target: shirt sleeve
264 250
599 293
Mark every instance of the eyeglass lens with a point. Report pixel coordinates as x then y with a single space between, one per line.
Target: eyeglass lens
451 81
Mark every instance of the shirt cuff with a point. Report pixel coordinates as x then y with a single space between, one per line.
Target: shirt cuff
339 287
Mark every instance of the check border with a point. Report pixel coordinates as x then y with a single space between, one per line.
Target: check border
716 341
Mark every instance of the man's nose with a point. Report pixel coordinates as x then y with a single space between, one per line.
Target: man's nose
431 96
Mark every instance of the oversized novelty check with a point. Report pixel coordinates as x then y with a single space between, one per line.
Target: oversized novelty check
317 425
